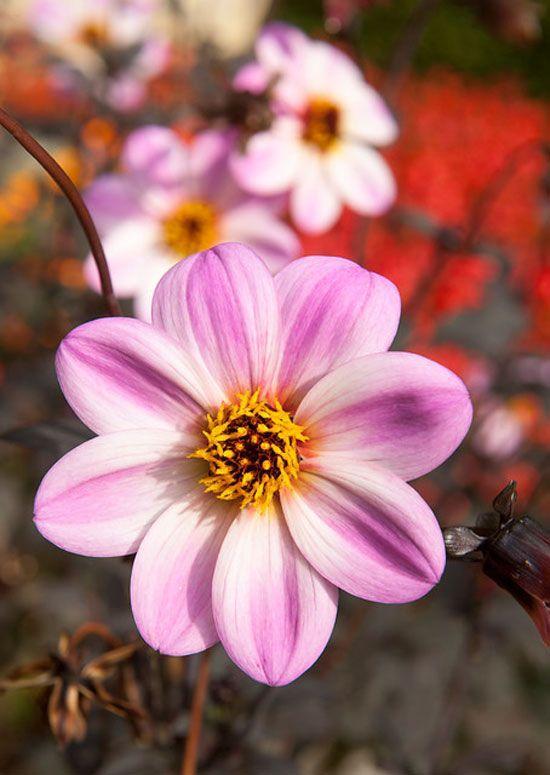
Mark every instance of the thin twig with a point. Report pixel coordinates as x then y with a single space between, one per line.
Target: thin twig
448 241
406 46
190 753
497 182
456 693
64 182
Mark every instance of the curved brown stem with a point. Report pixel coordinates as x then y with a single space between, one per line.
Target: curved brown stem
189 763
64 182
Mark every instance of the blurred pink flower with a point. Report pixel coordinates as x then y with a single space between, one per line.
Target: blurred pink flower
174 199
504 426
254 446
319 147
113 42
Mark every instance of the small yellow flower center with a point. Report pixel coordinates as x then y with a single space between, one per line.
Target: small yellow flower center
251 450
321 123
94 34
191 227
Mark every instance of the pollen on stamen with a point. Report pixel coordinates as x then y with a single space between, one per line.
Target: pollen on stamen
251 451
321 124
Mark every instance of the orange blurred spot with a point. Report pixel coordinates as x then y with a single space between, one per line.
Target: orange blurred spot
15 334
99 134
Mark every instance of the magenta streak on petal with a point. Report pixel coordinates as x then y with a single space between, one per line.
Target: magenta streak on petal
381 418
303 336
100 493
137 378
388 544
222 316
332 311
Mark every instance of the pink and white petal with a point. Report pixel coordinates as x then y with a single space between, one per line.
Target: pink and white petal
101 497
365 530
332 310
269 237
281 50
53 20
171 588
111 199
221 306
126 92
150 278
270 162
324 70
152 58
252 77
208 150
120 373
278 45
274 613
366 117
400 410
362 178
129 248
156 155
315 204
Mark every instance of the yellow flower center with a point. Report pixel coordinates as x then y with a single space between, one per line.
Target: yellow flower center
94 34
192 227
251 450
321 123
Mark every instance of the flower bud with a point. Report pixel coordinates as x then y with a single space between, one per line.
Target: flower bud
515 553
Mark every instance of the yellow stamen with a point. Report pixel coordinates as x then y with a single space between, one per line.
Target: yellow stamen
192 227
321 123
94 34
252 450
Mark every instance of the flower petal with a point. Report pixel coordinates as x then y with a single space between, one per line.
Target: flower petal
269 237
278 44
366 117
221 305
171 587
101 497
273 612
269 163
156 156
315 205
400 410
362 178
150 277
111 199
119 373
128 249
365 530
332 310
252 77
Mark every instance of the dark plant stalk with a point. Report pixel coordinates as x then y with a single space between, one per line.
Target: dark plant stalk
67 186
407 45
450 241
191 750
500 178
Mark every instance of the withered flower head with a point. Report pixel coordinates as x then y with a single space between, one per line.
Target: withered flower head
515 552
517 21
75 678
248 112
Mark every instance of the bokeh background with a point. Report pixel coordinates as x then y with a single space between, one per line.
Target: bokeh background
455 683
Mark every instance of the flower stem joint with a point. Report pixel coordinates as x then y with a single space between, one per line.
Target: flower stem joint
515 552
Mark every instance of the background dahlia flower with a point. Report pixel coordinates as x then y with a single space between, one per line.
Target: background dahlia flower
319 146
171 200
113 42
253 448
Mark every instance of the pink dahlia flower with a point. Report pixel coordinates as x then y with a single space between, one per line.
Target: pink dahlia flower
113 42
253 450
319 147
174 199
